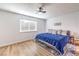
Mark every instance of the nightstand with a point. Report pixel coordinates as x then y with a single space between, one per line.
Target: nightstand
72 39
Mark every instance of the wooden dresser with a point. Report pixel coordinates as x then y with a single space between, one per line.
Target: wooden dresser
76 42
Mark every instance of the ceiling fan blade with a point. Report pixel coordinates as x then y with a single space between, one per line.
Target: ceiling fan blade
43 11
45 4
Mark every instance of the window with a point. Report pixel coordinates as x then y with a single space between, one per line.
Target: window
27 25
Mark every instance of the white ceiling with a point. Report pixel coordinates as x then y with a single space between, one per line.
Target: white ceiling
30 9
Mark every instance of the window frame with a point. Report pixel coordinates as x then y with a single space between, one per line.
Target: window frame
29 25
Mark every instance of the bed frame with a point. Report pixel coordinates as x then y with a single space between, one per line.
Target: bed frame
49 45
63 32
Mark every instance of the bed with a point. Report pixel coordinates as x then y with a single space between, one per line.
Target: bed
57 40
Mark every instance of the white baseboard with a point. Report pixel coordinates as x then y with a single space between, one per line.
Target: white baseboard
2 45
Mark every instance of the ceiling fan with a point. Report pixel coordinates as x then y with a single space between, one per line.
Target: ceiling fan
41 8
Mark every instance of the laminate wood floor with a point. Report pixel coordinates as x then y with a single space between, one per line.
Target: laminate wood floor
27 48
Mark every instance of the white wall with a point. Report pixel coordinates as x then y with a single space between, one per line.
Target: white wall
69 22
10 27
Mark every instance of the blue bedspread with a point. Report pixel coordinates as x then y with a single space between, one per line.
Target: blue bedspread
59 41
